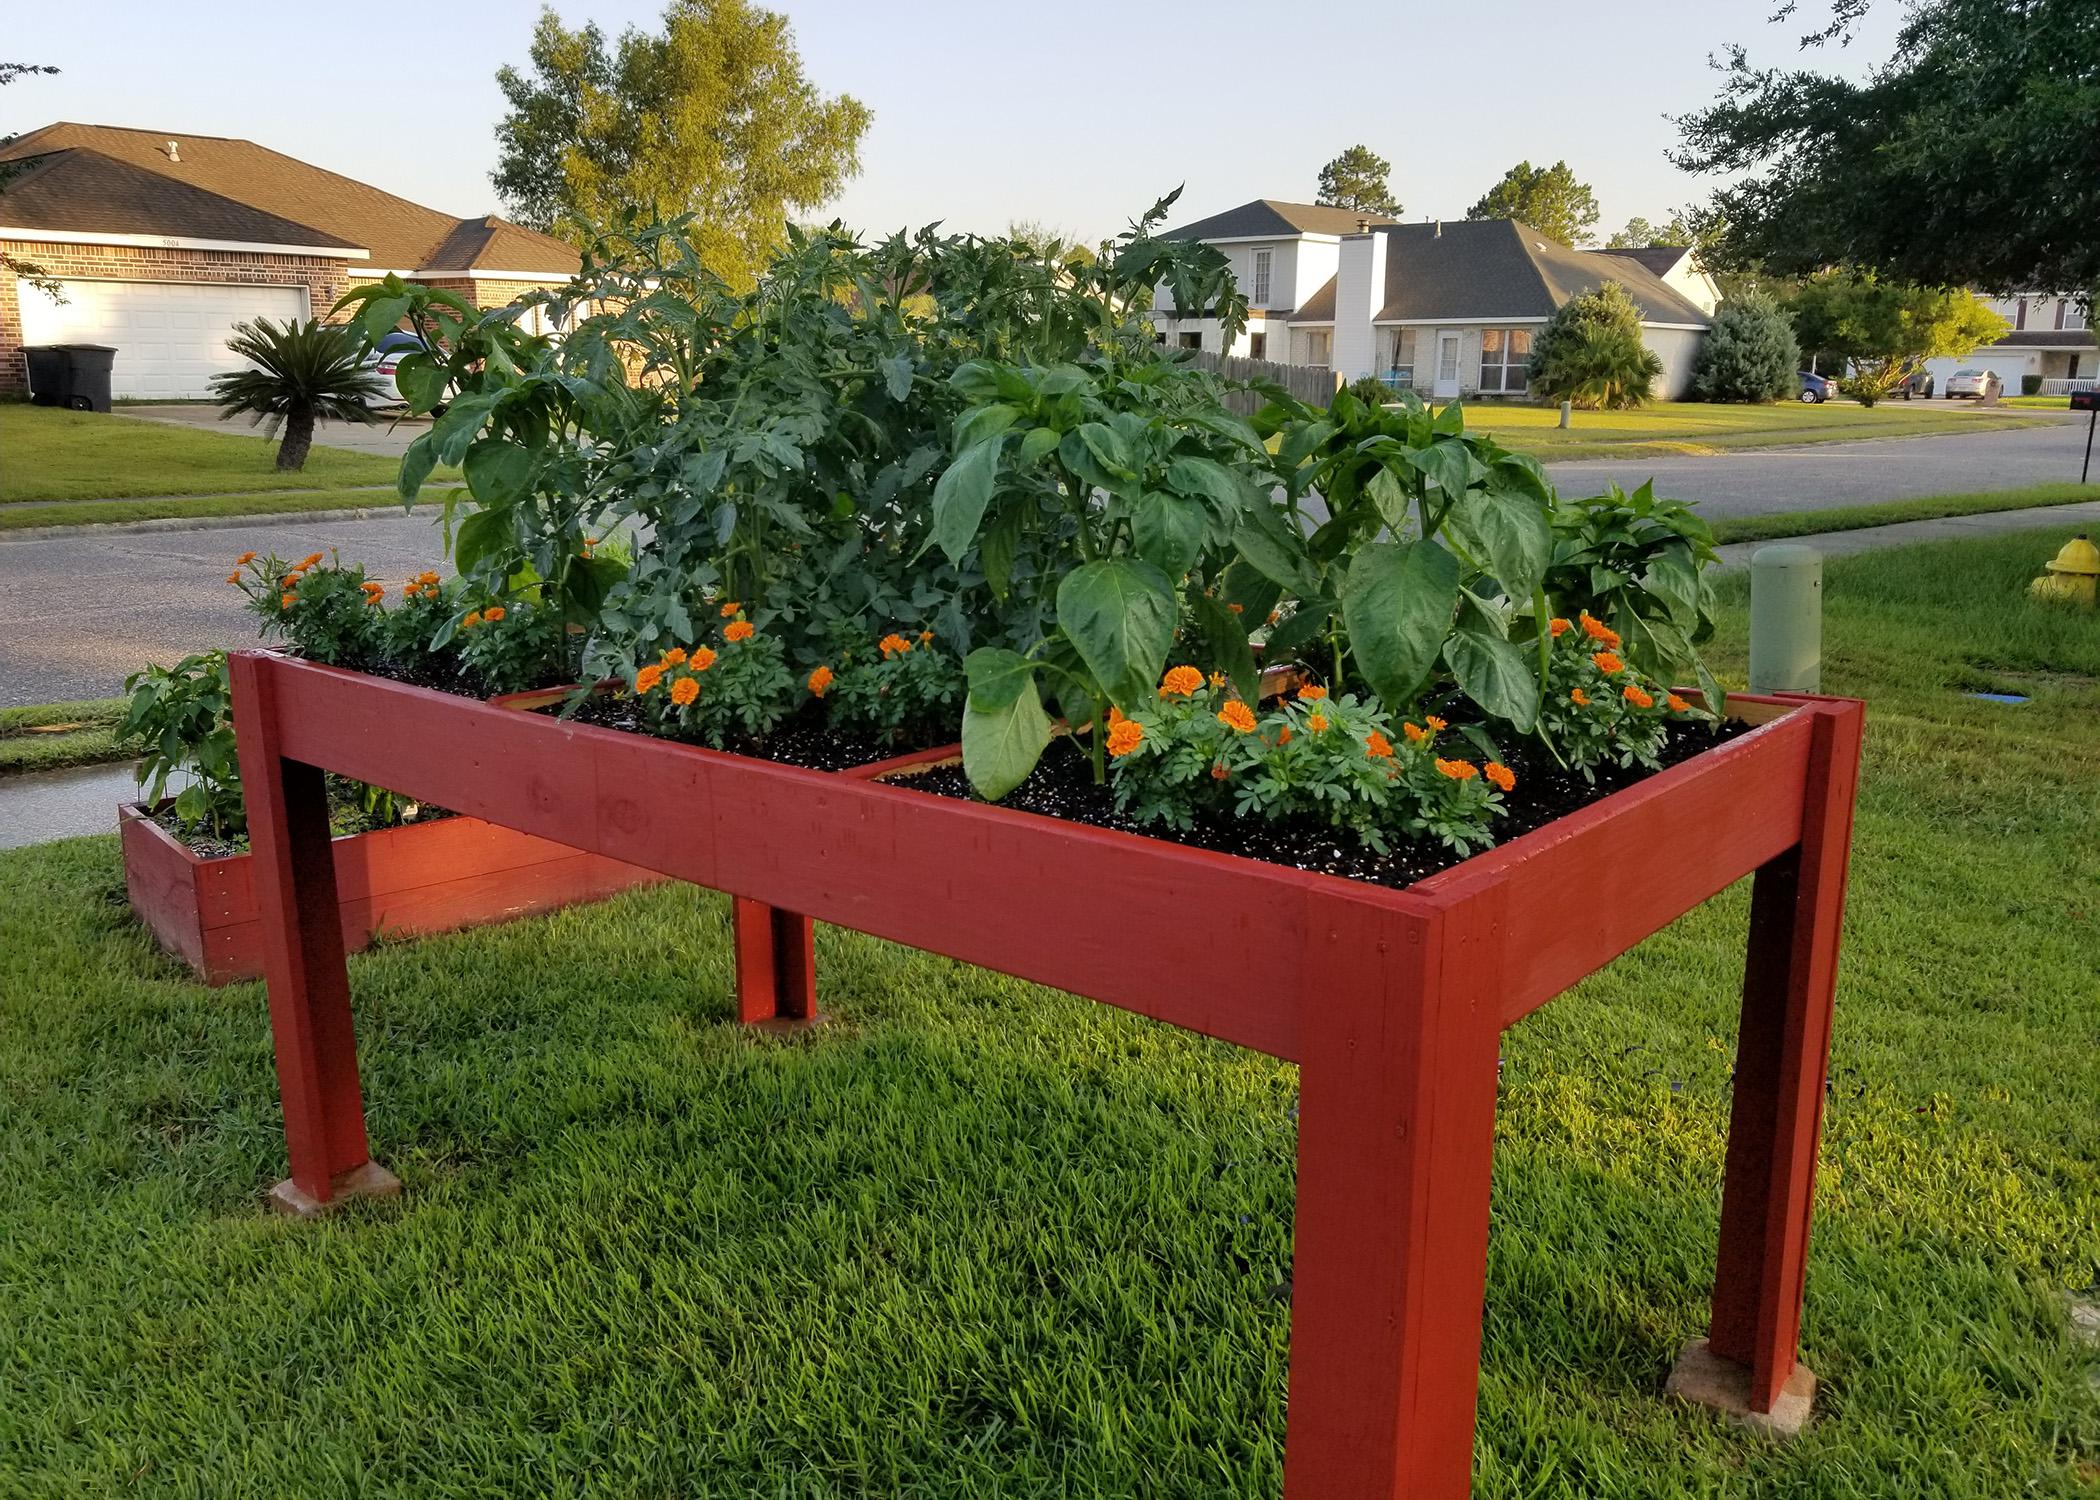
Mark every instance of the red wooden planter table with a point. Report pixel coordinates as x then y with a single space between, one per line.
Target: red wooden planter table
1391 1002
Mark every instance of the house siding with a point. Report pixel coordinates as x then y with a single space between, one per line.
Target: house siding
1678 349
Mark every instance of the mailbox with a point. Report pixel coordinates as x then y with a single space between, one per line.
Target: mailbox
2085 400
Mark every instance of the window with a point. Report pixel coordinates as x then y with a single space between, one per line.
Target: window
2074 315
1504 354
1261 278
1192 341
1319 348
1401 375
1257 346
1159 336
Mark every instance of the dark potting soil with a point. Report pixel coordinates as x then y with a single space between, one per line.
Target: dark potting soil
805 739
1062 786
345 816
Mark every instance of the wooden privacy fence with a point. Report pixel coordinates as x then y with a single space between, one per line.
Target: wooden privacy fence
1310 383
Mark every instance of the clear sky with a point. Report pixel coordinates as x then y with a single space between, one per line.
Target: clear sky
1075 115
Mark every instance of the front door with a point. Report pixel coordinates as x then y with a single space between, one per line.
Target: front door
1446 366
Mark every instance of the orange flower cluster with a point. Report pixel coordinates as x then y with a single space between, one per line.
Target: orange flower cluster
1180 682
473 619
890 645
1637 696
1219 773
702 658
1415 733
675 657
289 599
1599 632
233 578
685 690
1237 717
1283 735
819 680
244 559
1124 736
425 582
1312 692
311 560
737 630
1457 770
1378 747
1579 698
1676 705
493 613
1436 725
1501 775
375 593
729 608
1317 723
645 681
925 637
1560 628
1608 664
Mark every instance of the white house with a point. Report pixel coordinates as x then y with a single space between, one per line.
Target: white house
1446 308
2050 340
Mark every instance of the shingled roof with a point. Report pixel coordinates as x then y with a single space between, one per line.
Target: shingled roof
1268 216
1498 268
103 179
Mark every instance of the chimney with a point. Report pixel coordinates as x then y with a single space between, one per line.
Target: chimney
1359 295
1363 224
1438 233
174 151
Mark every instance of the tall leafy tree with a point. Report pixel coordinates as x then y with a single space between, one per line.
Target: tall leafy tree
1358 179
1884 329
1549 199
1749 354
1965 159
1638 232
11 265
712 116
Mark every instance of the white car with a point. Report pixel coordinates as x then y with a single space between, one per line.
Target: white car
1977 383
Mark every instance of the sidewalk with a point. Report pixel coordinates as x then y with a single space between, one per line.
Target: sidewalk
43 805
2082 516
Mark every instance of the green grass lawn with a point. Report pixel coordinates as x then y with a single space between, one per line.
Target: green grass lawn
49 454
981 1239
1888 512
198 507
1676 427
50 735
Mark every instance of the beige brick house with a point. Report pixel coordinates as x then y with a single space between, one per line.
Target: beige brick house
162 242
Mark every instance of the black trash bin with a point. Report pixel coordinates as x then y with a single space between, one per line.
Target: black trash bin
47 374
87 375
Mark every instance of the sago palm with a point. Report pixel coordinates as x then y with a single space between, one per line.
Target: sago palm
302 372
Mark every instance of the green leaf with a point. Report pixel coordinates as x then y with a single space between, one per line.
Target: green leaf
1002 743
1227 638
997 675
962 493
983 423
462 420
1273 548
483 534
1306 623
1168 531
896 374
497 470
1451 420
1516 536
1254 593
1119 615
1388 493
1108 448
421 379
1397 605
416 464
1210 480
996 548
1491 671
381 316
1034 444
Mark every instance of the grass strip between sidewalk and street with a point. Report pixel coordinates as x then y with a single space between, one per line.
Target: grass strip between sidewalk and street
1788 523
200 507
48 736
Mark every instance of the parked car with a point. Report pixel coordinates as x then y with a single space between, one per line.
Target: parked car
382 359
1976 383
1816 388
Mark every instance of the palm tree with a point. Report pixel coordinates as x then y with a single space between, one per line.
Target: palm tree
303 371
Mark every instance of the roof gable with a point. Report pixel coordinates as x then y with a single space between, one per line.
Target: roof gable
1271 216
1474 269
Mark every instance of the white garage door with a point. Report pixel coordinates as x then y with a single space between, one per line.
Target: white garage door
170 336
2009 368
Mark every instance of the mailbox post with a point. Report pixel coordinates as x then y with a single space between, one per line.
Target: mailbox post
2089 403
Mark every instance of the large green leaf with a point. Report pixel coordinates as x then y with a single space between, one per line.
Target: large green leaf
1168 531
1517 537
1388 492
1119 615
484 534
1492 671
960 496
497 470
1002 743
1207 479
459 426
1397 605
997 675
1227 639
416 464
1269 543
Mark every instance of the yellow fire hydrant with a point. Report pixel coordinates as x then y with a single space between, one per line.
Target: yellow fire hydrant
2072 574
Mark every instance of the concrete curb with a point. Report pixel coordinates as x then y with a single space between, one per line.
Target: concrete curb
208 523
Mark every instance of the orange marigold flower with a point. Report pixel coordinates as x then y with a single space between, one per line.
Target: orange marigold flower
892 644
244 559
685 690
819 680
1218 679
493 613
1415 733
473 618
702 658
233 578
1560 628
925 637
1124 736
428 577
1579 698
1607 663
1676 705
1312 692
1377 746
1238 609
1237 717
1218 772
1598 631
1283 735
675 657
1115 714
1317 723
729 607
1180 682
1436 725
738 630
1637 697
645 681
289 600
1501 775
311 560
1457 770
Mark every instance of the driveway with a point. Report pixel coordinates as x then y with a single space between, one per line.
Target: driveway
1764 481
387 436
78 614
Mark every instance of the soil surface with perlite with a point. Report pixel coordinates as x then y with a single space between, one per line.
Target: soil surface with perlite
1062 786
803 739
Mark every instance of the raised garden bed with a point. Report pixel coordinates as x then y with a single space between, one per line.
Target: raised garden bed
1391 1001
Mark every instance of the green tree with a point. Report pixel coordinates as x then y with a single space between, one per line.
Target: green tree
11 265
1638 232
1358 179
712 117
1048 244
302 371
1965 159
1590 352
1749 354
1884 329
1549 199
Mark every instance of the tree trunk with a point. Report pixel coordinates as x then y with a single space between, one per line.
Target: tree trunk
298 438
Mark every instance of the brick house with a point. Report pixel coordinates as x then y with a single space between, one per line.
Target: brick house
161 243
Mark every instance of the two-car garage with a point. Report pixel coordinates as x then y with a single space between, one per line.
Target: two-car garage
170 336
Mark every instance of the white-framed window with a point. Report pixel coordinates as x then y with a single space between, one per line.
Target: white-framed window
1257 346
1400 368
1262 259
2074 315
1504 355
1319 347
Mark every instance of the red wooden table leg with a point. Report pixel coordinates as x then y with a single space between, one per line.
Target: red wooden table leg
776 963
1748 1364
309 983
1395 1143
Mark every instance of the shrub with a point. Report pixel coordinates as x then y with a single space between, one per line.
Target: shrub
2030 385
1590 352
1750 354
1866 389
1370 390
302 371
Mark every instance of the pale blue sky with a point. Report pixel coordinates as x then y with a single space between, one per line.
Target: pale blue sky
1076 115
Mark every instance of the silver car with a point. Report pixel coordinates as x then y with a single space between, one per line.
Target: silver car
1977 383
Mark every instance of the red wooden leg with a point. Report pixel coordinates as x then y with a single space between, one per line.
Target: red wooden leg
1782 1059
309 984
776 963
1395 1143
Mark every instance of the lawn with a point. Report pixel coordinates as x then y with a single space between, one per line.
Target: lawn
981 1239
1679 427
197 507
48 454
1888 512
47 736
